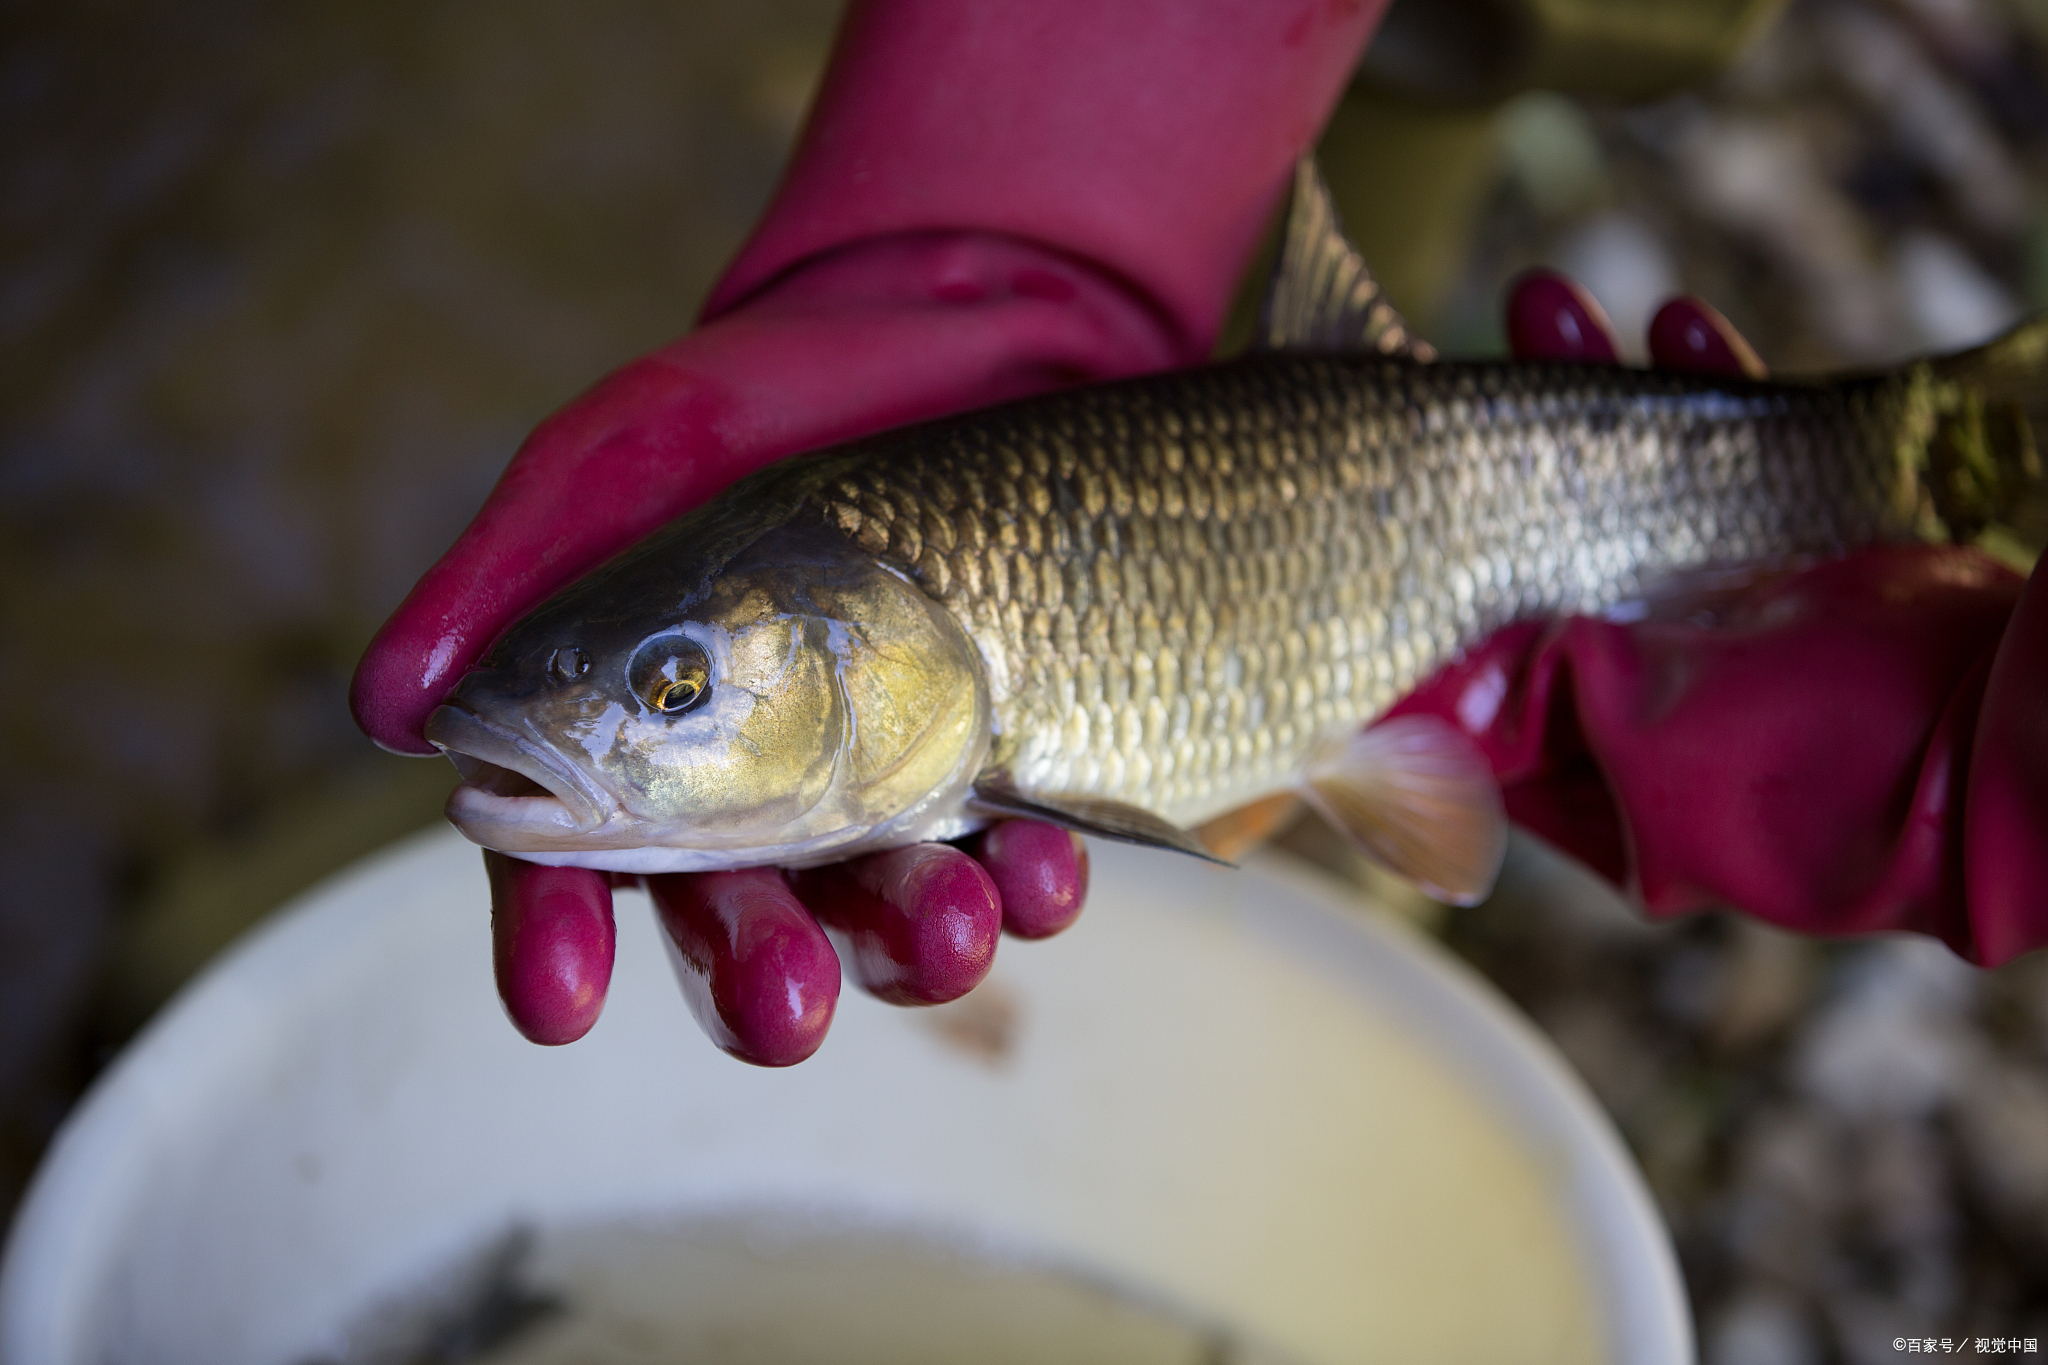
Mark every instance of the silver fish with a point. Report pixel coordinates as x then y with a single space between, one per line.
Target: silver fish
1132 607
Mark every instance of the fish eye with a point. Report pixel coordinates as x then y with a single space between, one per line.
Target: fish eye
670 675
568 664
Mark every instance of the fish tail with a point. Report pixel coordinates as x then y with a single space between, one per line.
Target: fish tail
1984 461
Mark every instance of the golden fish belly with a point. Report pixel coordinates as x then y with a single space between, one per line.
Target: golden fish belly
1179 585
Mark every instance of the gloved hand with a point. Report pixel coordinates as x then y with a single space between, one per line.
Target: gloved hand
874 336
988 201
1861 745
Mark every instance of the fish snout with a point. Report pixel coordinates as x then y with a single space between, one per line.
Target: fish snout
512 788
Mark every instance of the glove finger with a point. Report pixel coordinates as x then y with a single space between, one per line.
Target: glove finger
1040 873
552 941
2005 863
1550 317
917 925
1689 335
757 971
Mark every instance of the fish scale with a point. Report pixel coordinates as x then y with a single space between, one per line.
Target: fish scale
1179 585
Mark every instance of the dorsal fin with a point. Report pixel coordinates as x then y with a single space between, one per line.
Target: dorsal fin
1322 297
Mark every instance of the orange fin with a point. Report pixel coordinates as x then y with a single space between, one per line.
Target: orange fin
1235 833
1417 796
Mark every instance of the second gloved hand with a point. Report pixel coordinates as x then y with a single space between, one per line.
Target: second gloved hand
1843 748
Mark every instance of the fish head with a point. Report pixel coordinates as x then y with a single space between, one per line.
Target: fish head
695 706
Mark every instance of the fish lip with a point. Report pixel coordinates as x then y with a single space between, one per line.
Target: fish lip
462 734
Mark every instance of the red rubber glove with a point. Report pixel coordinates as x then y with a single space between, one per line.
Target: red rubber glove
988 201
1856 747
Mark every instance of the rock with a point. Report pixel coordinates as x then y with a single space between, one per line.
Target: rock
1762 1326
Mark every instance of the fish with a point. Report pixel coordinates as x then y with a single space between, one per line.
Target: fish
1131 607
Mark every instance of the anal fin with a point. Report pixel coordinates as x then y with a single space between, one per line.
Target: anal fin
1417 796
996 794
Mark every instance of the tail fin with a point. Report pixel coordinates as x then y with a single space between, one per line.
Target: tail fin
1984 463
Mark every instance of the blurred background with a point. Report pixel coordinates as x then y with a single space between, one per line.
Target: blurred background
282 287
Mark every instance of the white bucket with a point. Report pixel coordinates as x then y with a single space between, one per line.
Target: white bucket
1227 1105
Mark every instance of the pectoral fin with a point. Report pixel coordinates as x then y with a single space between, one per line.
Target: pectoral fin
997 795
1416 795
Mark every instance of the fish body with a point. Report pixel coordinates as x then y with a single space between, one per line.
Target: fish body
1178 586
1134 606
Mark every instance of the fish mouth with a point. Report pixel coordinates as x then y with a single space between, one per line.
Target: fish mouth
510 785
